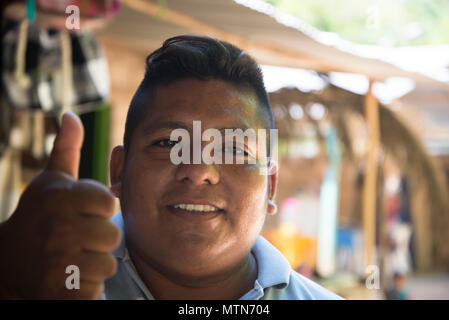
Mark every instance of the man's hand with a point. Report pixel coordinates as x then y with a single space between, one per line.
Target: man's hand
59 221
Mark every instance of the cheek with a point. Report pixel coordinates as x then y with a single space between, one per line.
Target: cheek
248 191
144 181
249 181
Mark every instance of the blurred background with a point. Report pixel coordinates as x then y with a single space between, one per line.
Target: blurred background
360 94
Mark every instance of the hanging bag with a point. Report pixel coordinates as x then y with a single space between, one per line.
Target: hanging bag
52 70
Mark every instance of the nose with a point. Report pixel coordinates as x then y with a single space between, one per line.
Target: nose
197 174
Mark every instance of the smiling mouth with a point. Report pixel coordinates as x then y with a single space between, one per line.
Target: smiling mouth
195 212
196 207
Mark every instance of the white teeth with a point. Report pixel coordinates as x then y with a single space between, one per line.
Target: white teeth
196 207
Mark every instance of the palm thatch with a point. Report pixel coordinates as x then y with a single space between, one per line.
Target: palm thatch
427 183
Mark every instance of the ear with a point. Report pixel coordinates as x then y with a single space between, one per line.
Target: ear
116 166
273 177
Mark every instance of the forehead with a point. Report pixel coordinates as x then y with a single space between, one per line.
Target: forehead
216 103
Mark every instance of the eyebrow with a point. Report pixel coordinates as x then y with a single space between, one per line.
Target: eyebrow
148 129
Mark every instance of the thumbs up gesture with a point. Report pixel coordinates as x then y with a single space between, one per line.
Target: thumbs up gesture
59 222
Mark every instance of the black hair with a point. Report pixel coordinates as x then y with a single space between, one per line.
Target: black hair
201 58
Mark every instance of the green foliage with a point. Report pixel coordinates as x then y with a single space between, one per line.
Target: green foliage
380 22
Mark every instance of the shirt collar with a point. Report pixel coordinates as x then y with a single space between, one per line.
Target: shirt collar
273 268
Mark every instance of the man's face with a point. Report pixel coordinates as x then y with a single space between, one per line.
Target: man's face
150 185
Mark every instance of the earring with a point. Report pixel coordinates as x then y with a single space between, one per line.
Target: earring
274 205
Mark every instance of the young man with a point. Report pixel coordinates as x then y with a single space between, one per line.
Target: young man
190 230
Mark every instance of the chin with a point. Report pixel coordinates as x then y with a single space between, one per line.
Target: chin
194 245
200 268
192 249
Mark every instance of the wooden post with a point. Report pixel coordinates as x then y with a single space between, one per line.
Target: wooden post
369 185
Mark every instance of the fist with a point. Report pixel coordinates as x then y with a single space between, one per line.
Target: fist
60 221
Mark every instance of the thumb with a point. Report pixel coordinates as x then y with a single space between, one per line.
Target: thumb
65 155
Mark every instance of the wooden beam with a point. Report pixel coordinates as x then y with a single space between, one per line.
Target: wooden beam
269 53
292 58
370 180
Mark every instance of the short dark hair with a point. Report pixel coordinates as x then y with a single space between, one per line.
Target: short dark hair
201 58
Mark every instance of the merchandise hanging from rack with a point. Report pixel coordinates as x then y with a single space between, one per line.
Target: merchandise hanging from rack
46 70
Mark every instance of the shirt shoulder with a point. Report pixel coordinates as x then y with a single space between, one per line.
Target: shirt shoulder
280 282
300 288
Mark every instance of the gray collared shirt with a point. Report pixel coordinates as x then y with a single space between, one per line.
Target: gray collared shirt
276 280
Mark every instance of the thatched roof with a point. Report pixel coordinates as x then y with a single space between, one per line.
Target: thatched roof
271 37
397 140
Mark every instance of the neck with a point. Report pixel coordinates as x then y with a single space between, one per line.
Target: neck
229 285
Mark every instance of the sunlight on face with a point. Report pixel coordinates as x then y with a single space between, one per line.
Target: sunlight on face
154 190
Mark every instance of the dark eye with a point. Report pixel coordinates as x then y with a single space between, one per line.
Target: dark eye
165 143
237 151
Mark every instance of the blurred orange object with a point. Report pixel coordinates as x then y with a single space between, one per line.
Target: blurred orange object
299 250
